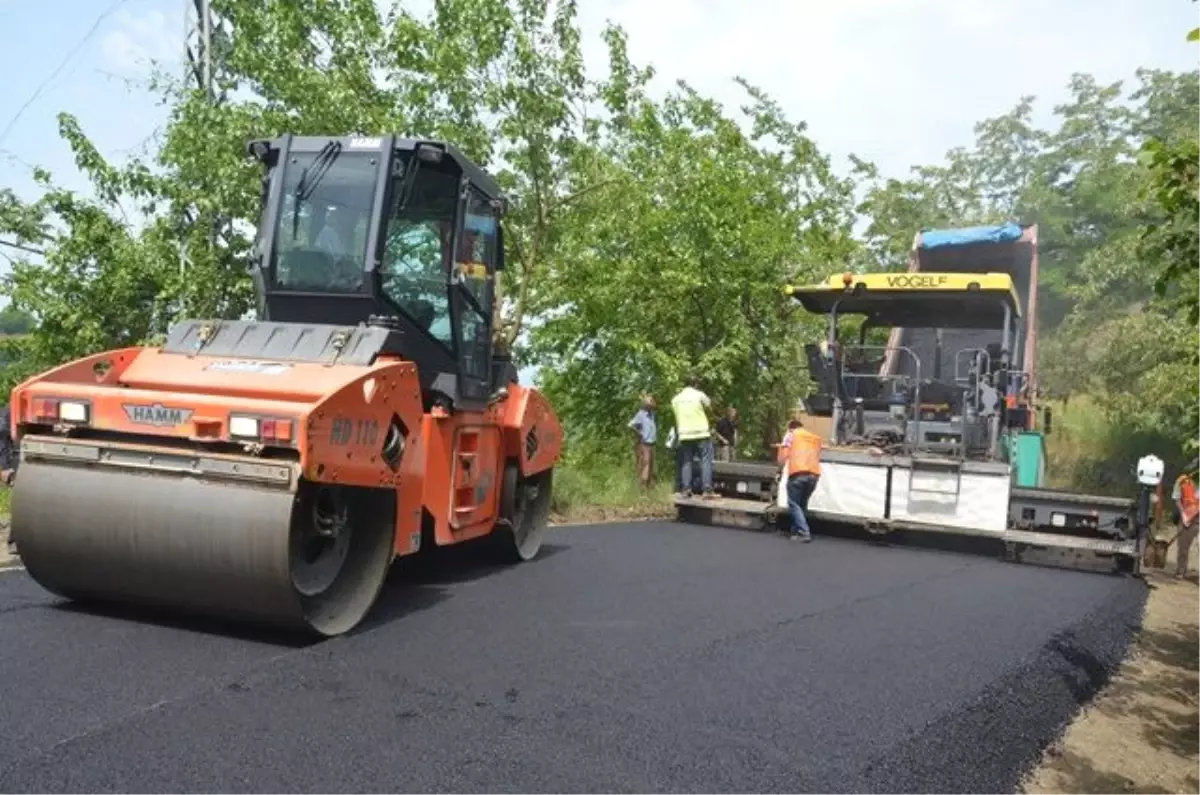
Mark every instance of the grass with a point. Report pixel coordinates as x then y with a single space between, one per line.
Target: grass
1088 451
605 490
1079 438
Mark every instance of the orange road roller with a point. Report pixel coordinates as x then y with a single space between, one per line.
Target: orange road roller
271 469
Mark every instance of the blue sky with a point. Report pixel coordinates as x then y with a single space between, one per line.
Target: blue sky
896 81
103 84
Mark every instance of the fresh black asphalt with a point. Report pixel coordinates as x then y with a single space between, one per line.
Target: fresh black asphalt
636 657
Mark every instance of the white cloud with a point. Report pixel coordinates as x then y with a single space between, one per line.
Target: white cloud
895 82
140 39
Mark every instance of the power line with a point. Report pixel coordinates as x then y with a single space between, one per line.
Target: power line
19 247
91 31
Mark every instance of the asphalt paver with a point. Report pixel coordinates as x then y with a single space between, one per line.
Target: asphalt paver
631 657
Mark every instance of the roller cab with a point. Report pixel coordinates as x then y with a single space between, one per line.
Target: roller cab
271 469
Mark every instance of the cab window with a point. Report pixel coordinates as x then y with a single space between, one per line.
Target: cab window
473 342
476 258
416 252
321 236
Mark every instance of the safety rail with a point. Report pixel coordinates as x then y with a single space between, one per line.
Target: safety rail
980 363
970 372
913 411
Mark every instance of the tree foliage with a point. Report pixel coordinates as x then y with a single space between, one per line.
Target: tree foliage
714 218
1080 182
648 237
14 321
1112 188
725 213
1171 245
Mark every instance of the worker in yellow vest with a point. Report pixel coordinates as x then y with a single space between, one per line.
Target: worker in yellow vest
692 408
800 450
1187 504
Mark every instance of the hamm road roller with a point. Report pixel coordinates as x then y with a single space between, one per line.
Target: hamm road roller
270 470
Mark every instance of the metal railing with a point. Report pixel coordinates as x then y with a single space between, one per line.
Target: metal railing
971 372
979 365
904 381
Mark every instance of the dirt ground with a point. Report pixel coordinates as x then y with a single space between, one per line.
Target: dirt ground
1141 733
598 515
5 558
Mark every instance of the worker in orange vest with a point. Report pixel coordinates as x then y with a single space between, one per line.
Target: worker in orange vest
1187 503
801 451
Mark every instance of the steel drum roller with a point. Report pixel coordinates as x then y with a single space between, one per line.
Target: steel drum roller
226 550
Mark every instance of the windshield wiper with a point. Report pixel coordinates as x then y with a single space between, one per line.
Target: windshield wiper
307 184
407 181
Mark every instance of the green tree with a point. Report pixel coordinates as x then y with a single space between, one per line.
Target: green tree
714 217
14 321
99 282
1172 243
1110 225
504 80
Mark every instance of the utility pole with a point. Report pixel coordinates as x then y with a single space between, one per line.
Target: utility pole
200 33
204 35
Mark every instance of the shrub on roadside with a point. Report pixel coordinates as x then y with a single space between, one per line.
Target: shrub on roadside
1091 450
600 484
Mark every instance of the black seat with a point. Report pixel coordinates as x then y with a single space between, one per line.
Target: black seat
423 313
827 374
939 392
822 370
307 268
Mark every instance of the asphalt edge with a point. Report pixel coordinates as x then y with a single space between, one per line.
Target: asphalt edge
607 521
991 744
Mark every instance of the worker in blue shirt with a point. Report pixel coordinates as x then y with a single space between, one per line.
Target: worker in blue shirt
8 459
8 450
645 433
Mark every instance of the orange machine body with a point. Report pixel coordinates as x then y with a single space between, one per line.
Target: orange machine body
326 421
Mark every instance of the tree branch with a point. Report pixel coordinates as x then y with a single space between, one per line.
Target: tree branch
581 193
703 320
527 266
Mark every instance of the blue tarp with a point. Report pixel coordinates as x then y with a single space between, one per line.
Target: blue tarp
940 238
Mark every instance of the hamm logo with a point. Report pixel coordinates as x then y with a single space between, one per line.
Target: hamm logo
157 414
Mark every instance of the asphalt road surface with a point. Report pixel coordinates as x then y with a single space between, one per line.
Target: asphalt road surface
638 657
